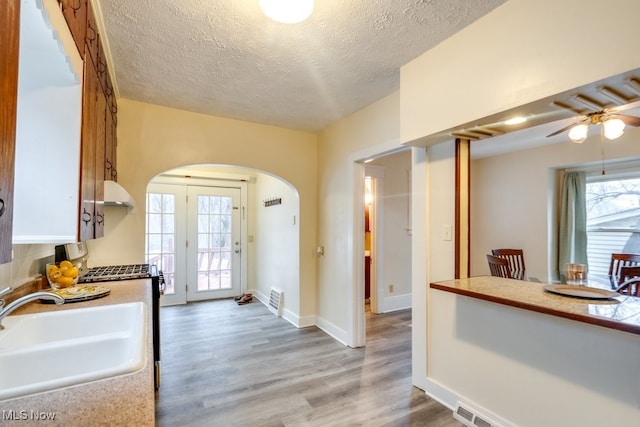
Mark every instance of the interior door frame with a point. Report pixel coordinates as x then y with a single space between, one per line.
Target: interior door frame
239 182
376 173
356 328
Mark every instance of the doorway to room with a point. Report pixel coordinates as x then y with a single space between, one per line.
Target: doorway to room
212 233
386 234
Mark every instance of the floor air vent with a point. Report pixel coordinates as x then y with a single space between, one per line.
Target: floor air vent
275 302
471 417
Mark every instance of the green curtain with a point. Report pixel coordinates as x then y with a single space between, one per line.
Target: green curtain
572 237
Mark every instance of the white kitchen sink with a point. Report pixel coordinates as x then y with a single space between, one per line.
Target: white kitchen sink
46 351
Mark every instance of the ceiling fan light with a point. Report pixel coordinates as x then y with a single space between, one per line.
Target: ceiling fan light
287 11
578 133
613 128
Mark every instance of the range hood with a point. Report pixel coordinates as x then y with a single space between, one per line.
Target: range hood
116 195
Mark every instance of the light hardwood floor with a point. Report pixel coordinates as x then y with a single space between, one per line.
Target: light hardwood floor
230 365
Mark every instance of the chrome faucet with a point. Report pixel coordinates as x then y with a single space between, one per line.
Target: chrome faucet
4 312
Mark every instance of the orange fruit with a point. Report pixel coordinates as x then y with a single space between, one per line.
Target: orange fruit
66 264
70 272
64 281
51 268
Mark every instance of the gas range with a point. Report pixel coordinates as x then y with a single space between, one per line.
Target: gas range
118 272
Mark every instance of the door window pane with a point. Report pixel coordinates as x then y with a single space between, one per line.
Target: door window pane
160 237
214 242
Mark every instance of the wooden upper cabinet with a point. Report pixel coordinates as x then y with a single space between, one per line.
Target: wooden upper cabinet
91 38
101 114
101 66
9 46
86 215
75 13
110 146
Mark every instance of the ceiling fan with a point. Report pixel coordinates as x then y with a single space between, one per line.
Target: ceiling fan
613 125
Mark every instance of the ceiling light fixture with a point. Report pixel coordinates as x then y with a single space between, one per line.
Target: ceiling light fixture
612 128
578 133
515 120
287 11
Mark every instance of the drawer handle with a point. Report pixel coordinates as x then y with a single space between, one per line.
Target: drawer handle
91 38
86 216
2 208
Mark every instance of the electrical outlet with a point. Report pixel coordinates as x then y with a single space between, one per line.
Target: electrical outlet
391 288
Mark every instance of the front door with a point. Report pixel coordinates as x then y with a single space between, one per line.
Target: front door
194 237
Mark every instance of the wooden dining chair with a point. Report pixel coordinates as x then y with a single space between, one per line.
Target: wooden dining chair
619 261
499 267
515 259
629 281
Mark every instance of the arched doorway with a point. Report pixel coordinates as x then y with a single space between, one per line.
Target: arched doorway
193 240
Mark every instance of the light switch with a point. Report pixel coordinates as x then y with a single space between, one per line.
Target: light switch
446 232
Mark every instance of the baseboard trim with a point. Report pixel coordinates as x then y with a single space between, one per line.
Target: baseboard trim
332 330
394 303
288 315
440 394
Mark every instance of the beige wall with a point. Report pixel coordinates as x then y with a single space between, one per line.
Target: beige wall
153 139
340 145
276 245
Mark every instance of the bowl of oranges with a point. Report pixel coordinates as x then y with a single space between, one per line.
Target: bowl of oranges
62 275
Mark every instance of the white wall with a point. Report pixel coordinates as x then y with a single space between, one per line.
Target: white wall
153 139
511 197
276 245
394 255
28 262
529 369
522 51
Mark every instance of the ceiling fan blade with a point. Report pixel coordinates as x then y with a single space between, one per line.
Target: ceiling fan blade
629 120
566 128
620 108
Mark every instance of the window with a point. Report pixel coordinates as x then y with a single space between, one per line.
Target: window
160 236
613 218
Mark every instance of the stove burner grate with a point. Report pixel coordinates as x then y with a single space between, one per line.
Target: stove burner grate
116 272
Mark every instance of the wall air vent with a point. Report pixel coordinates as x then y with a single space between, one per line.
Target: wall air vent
275 301
471 416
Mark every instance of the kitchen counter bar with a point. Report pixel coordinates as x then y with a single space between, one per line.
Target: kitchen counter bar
122 400
620 313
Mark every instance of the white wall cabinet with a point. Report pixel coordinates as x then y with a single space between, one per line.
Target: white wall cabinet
47 160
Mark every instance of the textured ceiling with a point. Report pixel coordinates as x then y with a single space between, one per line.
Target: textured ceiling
225 58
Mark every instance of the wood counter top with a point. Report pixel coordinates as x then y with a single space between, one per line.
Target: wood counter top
122 400
621 313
